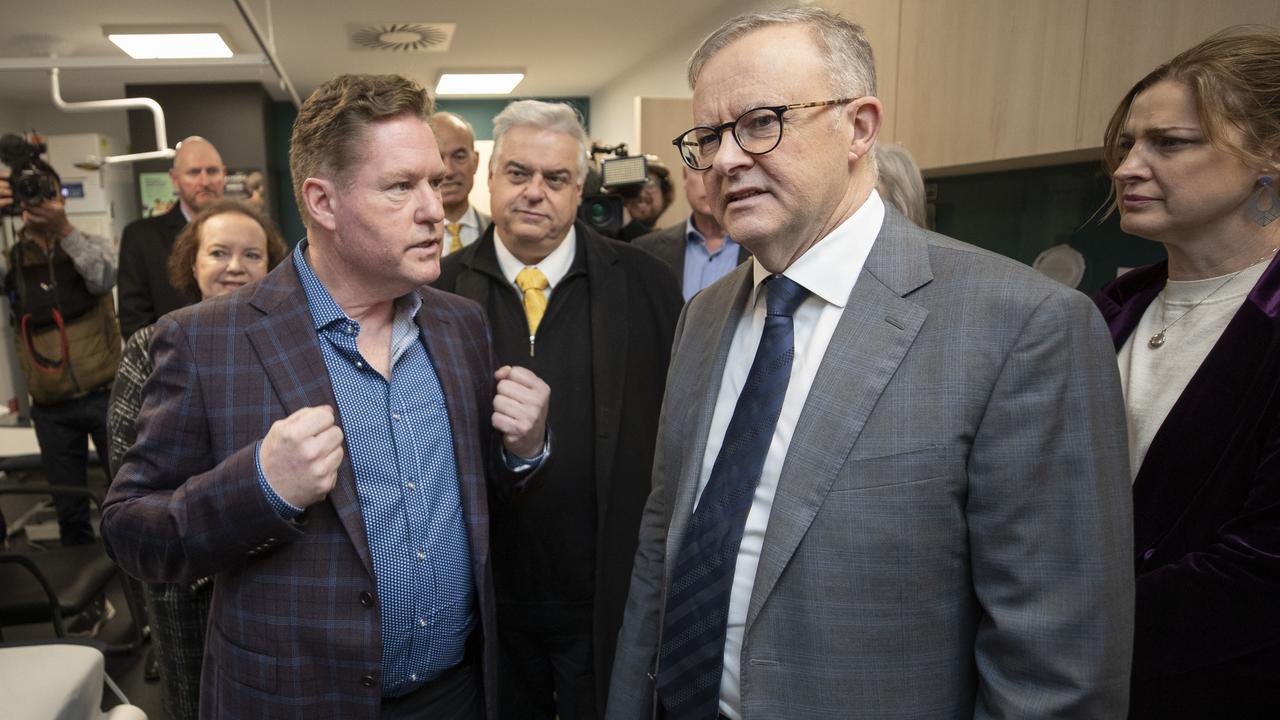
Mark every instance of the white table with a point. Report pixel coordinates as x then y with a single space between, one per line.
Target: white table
62 682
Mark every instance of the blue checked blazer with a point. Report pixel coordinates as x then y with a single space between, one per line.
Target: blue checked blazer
294 627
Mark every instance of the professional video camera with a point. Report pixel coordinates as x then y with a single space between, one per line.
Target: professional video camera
619 178
32 179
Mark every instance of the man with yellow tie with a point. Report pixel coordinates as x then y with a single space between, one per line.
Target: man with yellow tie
463 224
594 318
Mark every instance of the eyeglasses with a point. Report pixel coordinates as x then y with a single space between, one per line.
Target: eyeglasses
757 131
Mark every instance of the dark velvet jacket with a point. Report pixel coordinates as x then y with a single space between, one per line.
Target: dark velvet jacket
1207 518
634 306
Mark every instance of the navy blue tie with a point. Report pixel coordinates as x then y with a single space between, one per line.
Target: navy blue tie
697 611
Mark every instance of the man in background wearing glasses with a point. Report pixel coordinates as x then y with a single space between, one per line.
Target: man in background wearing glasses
891 476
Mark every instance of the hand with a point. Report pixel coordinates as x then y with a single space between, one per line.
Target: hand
300 456
520 410
48 219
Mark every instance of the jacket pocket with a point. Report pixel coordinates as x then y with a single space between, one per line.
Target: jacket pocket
242 665
900 468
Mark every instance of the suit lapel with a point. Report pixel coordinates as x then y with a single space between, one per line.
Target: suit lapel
608 311
480 270
679 241
289 350
715 313
439 333
875 331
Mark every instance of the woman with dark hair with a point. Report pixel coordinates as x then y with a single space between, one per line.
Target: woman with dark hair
1193 153
226 246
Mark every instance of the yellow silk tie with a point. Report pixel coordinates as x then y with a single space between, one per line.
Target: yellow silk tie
455 237
533 284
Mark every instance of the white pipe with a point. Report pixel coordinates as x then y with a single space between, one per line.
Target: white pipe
124 63
163 150
268 49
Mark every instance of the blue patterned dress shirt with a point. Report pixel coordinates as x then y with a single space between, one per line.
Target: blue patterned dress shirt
701 266
401 449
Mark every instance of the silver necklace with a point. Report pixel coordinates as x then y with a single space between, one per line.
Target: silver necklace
1157 340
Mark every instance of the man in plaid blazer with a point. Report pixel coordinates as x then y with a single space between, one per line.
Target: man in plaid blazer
323 442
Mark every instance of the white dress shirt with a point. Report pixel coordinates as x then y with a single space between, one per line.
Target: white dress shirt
828 271
468 231
554 266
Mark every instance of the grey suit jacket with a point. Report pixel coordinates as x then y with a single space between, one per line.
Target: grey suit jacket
950 532
668 244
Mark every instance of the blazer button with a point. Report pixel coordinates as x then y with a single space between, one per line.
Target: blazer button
366 598
1148 554
368 681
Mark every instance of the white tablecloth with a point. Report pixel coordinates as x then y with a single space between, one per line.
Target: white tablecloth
62 682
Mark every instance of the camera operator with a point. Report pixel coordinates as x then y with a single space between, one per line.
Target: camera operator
58 280
649 201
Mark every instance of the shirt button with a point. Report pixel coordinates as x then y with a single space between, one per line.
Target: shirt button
413 677
350 329
366 599
368 681
395 416
422 555
359 364
410 485
422 623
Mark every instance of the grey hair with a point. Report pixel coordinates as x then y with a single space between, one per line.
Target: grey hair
557 117
446 115
853 66
901 183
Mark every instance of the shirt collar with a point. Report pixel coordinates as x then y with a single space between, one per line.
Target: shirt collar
469 218
554 266
830 268
325 311
693 234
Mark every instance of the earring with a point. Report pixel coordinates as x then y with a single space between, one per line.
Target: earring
1264 204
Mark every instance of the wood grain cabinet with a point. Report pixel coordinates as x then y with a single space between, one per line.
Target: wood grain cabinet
989 81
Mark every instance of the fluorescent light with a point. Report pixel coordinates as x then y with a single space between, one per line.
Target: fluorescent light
478 83
150 46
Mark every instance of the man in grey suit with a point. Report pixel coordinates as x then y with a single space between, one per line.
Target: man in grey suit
891 473
697 250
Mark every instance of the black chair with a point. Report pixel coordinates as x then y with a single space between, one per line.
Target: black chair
51 585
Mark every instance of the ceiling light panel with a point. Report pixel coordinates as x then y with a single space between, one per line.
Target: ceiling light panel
454 83
152 46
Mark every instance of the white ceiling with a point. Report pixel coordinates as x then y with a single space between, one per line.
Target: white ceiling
567 47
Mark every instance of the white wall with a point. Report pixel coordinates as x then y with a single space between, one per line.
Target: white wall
10 119
49 120
662 74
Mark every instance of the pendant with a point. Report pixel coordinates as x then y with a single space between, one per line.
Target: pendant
1156 340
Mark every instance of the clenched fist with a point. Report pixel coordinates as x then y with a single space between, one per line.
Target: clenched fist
300 455
520 410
